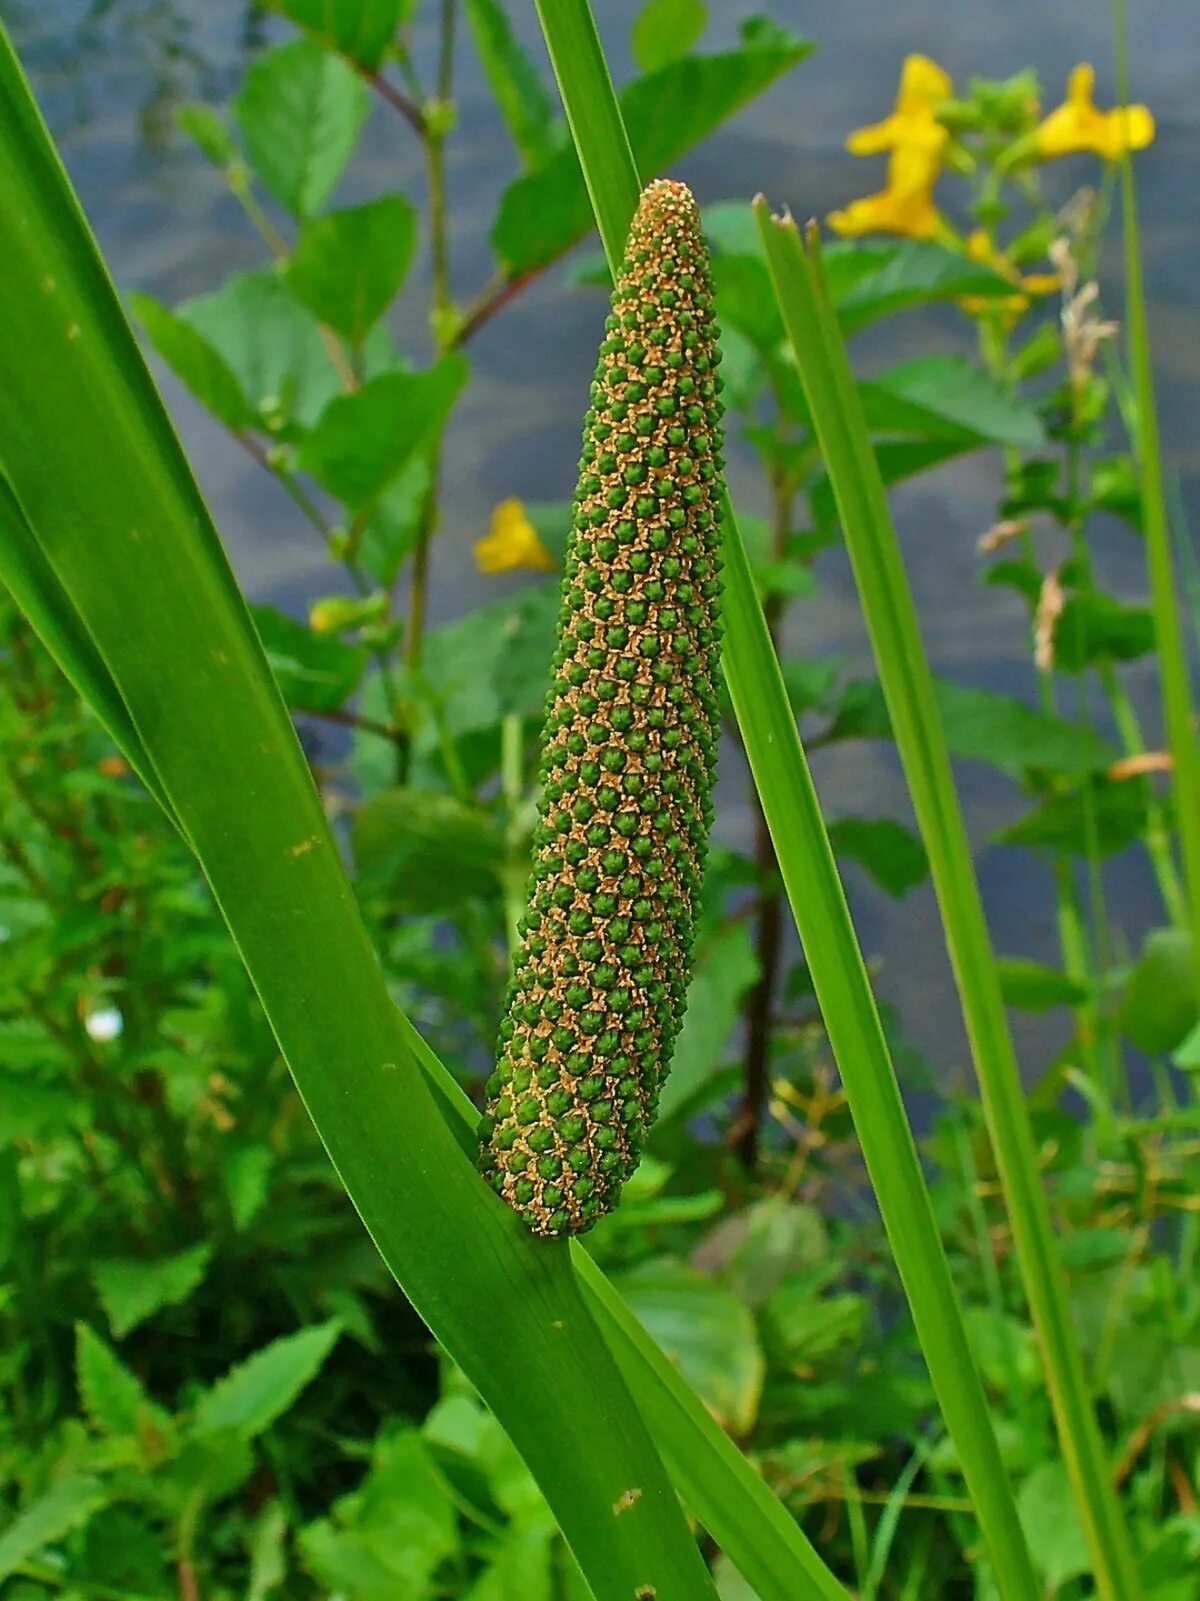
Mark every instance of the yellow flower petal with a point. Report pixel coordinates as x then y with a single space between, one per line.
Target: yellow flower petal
1079 125
511 542
911 214
922 82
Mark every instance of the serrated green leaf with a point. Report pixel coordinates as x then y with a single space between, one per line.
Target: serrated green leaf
197 365
1051 1524
268 1564
386 1539
868 281
348 265
270 342
362 442
300 110
132 1289
948 396
112 1397
359 29
981 725
425 850
1033 987
1094 628
666 113
891 853
66 1506
706 1330
315 672
1158 1007
516 87
257 1391
666 29
1060 821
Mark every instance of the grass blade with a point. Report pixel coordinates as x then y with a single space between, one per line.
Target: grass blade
31 581
908 687
1178 719
104 486
810 877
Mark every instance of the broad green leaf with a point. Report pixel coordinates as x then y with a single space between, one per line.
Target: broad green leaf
666 29
868 281
271 344
394 523
359 29
742 286
245 1174
898 460
1094 628
194 362
493 663
256 1392
1004 1348
112 1397
1051 1524
363 441
1033 987
348 265
706 1330
1158 1007
387 1539
946 394
132 1289
666 113
315 672
29 1108
67 1505
725 969
981 725
517 89
268 1564
891 853
300 110
520 1567
426 851
1061 822
769 1243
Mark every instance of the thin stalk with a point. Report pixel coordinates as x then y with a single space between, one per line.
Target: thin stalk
908 687
1172 654
810 875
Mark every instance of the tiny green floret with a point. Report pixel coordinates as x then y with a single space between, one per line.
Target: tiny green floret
628 750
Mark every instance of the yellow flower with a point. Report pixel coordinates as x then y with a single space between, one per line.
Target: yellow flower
980 248
511 541
912 124
1078 124
910 212
916 141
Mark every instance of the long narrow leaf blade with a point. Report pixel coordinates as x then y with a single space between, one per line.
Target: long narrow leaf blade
908 688
106 489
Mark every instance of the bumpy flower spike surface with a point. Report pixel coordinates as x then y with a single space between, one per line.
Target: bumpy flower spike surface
628 754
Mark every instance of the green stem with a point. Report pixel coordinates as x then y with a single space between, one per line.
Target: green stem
1172 655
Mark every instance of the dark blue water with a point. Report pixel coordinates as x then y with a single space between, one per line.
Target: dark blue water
110 72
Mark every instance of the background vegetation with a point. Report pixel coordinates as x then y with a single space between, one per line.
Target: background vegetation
211 1387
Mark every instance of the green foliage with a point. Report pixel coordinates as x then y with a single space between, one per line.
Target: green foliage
208 1383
